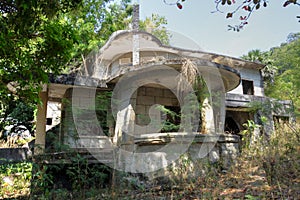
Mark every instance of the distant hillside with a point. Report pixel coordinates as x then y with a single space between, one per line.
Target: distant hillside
287 80
282 71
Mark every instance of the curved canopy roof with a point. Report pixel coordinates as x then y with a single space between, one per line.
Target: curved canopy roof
121 43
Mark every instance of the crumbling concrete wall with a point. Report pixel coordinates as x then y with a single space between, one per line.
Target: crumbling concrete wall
205 152
151 96
80 127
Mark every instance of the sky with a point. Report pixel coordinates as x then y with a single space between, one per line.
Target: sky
196 27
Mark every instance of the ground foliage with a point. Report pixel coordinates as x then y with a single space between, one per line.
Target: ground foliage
36 40
15 180
265 170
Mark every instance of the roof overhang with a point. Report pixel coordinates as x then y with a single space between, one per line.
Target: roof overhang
121 42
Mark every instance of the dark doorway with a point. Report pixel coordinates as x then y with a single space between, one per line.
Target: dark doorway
231 126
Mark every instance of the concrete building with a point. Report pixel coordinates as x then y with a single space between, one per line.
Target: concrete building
139 105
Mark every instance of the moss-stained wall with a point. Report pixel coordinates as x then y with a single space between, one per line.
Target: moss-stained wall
93 121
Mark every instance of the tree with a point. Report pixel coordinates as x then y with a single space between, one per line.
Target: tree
282 70
292 37
33 42
101 21
243 9
155 25
53 36
48 36
95 21
287 82
269 71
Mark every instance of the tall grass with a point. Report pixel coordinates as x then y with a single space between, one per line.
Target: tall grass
266 169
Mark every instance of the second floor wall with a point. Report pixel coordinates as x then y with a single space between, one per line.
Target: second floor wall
251 83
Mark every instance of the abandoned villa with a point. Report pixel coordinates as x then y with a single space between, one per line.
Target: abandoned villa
137 70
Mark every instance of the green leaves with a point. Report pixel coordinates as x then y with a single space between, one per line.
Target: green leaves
282 70
33 42
50 36
287 83
156 26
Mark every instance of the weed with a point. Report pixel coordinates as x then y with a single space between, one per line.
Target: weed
15 179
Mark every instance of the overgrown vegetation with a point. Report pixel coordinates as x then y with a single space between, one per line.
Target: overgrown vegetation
15 180
73 180
76 179
265 170
50 36
42 40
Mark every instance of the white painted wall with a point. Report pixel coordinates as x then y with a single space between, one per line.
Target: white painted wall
252 75
54 112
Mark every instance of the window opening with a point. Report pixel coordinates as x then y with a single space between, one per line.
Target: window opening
248 87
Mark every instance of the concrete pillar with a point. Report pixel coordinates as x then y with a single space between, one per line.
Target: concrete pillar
135 37
213 107
207 116
40 135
